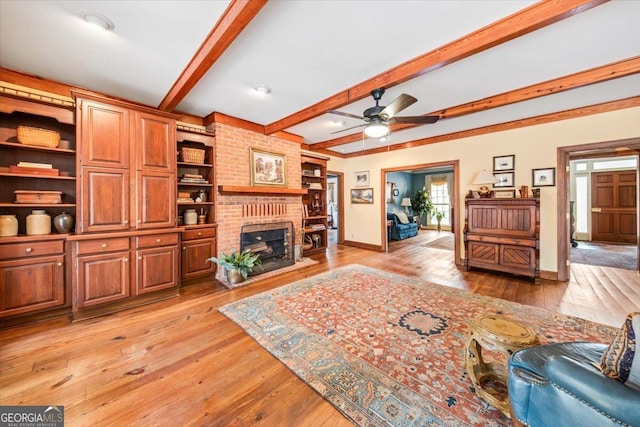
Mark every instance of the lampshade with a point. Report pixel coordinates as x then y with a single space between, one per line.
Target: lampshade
484 177
406 201
376 130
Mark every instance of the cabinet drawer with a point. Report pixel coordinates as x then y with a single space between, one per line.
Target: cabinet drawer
30 249
157 240
201 233
102 245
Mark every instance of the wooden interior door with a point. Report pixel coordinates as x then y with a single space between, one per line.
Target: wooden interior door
613 207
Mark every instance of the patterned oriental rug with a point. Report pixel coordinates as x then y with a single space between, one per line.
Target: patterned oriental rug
386 349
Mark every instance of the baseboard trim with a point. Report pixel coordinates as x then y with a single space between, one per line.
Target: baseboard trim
363 245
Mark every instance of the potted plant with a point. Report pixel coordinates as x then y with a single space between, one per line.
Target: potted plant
421 204
237 265
438 215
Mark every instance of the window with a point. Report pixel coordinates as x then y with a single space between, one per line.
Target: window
615 164
582 204
440 199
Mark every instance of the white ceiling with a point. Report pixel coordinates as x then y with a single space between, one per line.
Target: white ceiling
307 51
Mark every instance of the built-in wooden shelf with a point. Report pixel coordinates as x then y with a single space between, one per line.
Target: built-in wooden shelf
269 191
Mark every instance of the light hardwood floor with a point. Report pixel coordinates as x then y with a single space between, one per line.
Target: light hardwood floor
180 362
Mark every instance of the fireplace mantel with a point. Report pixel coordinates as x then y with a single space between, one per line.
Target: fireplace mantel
267 191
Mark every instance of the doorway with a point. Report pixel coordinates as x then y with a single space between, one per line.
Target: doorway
608 149
400 199
603 211
335 207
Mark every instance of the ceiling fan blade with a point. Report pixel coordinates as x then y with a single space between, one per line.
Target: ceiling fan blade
399 104
340 113
415 119
352 127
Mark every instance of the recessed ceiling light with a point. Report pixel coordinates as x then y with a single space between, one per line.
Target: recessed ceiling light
263 90
99 20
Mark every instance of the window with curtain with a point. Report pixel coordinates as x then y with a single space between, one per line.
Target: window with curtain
439 187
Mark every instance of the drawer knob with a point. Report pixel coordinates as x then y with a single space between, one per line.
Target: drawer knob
126 222
59 264
199 233
184 248
140 257
126 259
104 245
28 250
158 240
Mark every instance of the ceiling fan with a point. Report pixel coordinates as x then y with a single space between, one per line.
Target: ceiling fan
377 119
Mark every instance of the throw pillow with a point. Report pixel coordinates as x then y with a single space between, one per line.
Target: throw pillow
402 217
621 360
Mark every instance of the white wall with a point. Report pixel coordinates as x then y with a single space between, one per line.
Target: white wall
534 147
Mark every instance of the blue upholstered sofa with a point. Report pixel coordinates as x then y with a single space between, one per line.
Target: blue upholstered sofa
401 231
560 385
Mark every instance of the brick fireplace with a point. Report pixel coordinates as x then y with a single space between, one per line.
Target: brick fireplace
232 168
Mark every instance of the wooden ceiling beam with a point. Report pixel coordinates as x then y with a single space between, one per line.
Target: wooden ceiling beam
499 127
231 23
534 17
607 72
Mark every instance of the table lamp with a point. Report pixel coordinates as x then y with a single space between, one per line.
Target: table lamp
406 202
482 178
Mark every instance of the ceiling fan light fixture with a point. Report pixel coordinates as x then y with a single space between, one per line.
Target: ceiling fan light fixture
99 21
376 130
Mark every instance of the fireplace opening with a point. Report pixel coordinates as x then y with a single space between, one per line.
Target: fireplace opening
273 243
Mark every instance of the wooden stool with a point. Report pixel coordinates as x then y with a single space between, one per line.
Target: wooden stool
498 337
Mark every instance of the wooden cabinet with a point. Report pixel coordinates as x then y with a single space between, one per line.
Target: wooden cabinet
31 275
108 278
104 200
314 220
127 164
198 245
156 262
503 235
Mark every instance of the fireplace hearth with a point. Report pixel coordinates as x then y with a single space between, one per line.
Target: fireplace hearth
272 242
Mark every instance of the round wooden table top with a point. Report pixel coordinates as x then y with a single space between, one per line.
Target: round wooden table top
499 329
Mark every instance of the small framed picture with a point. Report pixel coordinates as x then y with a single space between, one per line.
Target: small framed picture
361 179
504 194
362 195
505 179
545 177
504 163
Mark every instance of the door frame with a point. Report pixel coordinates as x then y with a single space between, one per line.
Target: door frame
340 198
621 147
455 164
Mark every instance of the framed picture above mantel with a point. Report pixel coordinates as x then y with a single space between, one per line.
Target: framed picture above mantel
267 168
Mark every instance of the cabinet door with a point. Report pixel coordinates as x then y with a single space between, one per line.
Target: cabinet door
104 200
194 258
518 256
104 135
102 278
33 284
157 268
155 200
155 143
487 253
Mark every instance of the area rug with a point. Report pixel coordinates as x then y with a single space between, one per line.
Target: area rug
445 242
388 350
605 255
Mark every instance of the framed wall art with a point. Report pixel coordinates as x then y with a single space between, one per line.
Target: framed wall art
505 179
545 177
504 163
361 179
268 168
362 195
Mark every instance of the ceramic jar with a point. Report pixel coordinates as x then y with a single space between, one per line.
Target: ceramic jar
190 217
39 222
8 225
63 223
